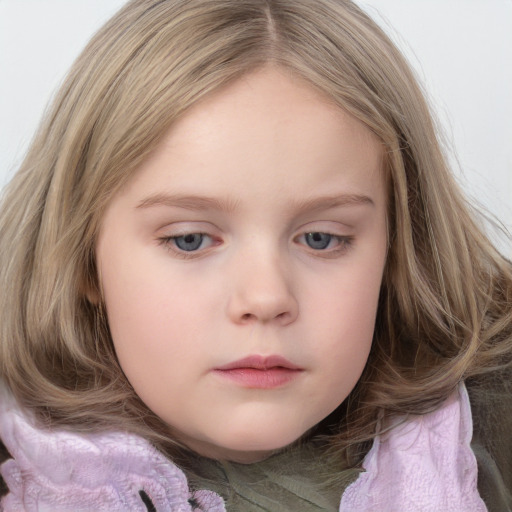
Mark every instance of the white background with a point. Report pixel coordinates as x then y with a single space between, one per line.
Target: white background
461 49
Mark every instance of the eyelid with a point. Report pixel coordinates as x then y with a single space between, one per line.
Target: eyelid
180 229
339 231
345 243
176 230
168 242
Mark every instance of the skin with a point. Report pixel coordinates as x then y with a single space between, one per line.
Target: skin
254 168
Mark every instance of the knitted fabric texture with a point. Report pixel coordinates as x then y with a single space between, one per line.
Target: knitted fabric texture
422 465
61 471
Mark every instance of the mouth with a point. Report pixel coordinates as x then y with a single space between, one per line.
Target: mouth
260 372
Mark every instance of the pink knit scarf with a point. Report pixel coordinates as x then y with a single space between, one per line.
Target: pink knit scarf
424 464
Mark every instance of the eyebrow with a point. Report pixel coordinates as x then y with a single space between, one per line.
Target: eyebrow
229 205
334 201
189 202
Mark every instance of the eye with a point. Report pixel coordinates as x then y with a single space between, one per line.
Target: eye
326 244
318 241
189 242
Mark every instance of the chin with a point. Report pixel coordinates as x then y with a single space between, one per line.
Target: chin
244 446
248 447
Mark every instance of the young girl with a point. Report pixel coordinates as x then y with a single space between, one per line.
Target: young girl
237 275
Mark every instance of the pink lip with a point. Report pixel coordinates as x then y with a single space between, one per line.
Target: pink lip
260 371
260 363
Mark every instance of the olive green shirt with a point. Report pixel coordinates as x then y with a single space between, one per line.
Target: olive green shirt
491 404
294 480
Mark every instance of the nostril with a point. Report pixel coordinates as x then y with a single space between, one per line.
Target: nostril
247 317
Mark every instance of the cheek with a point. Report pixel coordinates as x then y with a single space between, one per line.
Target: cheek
147 321
345 300
146 297
343 312
344 343
161 321
154 350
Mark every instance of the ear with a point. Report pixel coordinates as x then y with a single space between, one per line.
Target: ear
90 289
93 296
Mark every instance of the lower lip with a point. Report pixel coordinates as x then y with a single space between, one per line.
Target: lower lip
260 379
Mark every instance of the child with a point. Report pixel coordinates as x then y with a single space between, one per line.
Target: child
237 274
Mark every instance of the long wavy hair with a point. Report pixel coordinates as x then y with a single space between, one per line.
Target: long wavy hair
445 306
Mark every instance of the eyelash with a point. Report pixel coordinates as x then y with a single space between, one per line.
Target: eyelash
344 244
169 242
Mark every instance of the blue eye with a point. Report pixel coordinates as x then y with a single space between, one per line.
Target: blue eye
318 241
189 242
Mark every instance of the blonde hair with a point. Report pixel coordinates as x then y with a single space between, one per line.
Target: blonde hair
445 306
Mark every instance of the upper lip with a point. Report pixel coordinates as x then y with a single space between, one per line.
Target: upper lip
260 363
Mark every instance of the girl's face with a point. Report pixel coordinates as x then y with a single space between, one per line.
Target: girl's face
241 266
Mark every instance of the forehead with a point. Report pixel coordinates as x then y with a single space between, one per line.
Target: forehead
265 128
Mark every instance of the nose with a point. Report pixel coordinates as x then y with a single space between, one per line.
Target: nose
261 290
